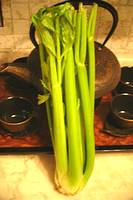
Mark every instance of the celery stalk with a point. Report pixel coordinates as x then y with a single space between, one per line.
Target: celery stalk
66 39
86 90
73 129
90 143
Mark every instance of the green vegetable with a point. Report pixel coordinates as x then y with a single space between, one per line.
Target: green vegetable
66 46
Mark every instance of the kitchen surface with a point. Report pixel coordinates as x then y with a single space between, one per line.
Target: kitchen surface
25 176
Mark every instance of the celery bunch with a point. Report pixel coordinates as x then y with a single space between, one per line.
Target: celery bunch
66 46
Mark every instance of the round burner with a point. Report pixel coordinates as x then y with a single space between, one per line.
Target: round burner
33 127
112 128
